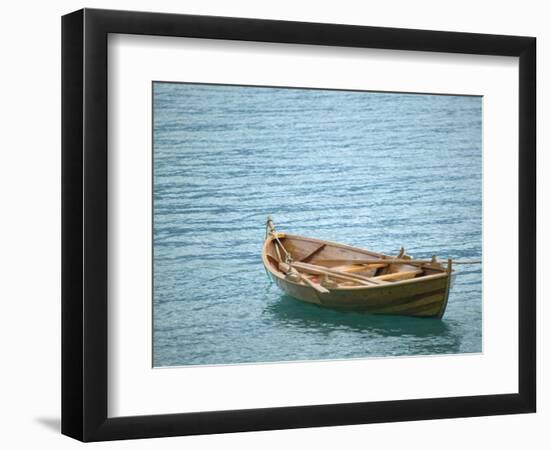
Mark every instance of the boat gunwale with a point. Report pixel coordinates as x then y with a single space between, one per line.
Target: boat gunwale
400 283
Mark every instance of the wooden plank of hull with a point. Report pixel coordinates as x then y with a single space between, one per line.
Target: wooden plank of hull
412 306
434 311
406 305
425 305
298 291
383 295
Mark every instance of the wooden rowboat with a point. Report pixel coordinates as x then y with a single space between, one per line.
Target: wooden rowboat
343 277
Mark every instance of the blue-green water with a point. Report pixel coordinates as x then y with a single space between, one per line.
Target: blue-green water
374 170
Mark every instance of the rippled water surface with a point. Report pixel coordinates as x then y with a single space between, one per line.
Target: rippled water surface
374 170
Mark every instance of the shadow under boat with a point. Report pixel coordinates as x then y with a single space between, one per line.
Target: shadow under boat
294 313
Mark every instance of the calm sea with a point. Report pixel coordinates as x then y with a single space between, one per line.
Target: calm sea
374 170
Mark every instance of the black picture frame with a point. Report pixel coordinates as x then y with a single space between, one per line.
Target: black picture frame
84 224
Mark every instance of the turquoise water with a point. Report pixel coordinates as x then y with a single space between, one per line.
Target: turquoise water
374 170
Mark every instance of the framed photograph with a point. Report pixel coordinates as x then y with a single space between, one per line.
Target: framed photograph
272 224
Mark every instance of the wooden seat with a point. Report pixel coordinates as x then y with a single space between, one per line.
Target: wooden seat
396 276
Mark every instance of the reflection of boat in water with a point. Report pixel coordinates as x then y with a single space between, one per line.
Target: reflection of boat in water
359 335
322 320
344 277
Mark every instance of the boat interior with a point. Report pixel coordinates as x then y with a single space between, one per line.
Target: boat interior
332 265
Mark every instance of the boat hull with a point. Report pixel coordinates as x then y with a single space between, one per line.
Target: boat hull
422 298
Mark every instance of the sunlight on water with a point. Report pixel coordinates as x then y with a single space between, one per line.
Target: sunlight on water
373 170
